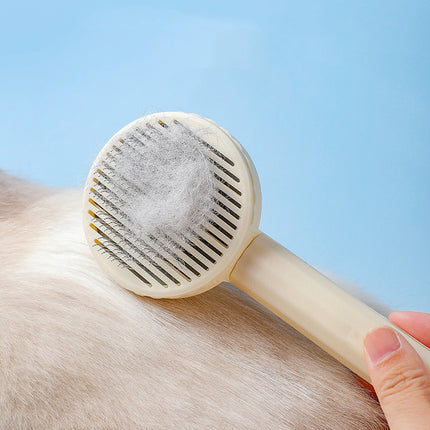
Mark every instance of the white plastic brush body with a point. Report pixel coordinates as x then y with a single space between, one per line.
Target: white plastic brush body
218 242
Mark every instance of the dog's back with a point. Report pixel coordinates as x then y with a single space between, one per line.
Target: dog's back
77 351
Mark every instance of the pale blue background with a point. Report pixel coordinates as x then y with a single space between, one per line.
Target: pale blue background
331 99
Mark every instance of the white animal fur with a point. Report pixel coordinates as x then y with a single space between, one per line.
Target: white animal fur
78 352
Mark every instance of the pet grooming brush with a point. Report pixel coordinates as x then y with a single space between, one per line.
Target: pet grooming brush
172 207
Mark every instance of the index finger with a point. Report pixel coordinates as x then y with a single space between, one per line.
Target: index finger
417 324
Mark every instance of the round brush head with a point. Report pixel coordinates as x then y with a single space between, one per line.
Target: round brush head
170 204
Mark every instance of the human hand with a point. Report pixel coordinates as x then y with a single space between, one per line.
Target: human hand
398 374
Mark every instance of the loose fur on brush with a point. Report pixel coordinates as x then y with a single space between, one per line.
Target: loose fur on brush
78 352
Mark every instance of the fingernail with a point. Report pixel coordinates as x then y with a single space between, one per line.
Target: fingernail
381 343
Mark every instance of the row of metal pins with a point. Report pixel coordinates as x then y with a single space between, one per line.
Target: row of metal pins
160 252
224 226
103 220
103 215
226 230
124 258
159 247
134 259
110 255
98 184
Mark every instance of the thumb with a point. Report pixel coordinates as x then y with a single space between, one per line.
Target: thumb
400 379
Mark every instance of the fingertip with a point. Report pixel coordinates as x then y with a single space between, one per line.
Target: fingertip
399 316
417 324
395 314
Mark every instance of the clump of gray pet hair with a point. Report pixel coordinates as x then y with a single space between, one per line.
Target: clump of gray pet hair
169 183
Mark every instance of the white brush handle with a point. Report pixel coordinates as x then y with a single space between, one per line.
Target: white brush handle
311 303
